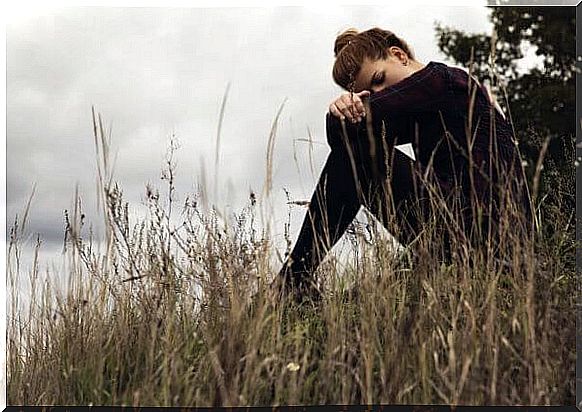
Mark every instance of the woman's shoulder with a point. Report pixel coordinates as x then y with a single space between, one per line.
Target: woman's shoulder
458 73
430 75
426 88
461 80
438 73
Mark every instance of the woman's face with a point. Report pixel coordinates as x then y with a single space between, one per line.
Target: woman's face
375 75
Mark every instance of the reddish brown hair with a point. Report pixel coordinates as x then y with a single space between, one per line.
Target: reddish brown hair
352 47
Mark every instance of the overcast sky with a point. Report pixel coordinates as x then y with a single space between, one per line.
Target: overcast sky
152 72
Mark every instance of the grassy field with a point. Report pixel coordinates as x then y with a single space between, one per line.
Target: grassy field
183 315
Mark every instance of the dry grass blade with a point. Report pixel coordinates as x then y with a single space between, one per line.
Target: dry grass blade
268 185
218 134
26 210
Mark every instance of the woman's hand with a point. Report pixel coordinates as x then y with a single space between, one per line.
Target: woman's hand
350 106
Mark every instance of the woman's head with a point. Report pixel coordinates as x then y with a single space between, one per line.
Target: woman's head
372 59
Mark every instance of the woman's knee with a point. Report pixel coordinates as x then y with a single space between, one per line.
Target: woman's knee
333 129
342 134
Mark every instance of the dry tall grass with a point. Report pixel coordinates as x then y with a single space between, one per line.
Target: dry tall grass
183 315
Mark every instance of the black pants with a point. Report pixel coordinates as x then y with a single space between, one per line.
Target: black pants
366 170
361 170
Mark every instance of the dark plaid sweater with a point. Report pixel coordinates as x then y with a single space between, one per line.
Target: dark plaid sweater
453 127
460 140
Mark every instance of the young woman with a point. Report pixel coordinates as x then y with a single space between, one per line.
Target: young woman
465 153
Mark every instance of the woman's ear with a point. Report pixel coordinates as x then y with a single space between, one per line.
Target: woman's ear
399 54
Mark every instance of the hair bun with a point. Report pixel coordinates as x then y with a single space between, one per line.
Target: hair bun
344 39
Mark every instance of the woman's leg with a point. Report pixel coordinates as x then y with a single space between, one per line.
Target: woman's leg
333 206
352 177
400 201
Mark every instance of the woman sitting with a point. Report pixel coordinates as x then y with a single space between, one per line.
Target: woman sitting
466 156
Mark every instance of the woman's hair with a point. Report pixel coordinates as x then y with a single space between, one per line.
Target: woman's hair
352 47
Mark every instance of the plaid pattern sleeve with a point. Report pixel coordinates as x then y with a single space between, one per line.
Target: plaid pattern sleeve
426 89
431 110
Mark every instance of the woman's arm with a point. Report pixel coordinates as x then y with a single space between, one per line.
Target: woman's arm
426 90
